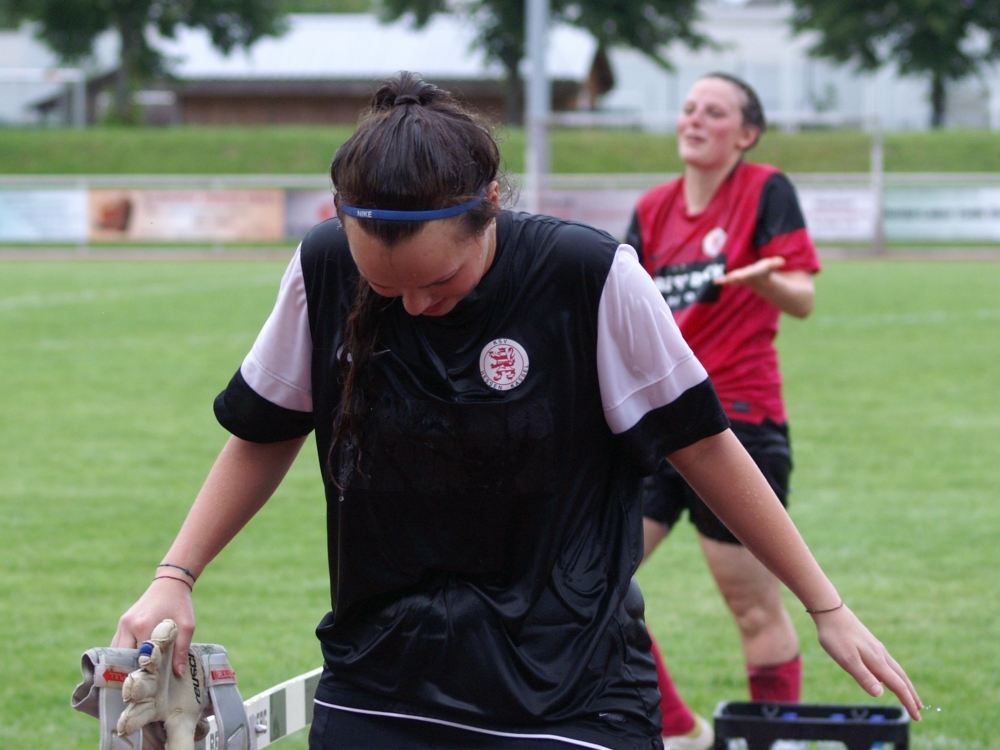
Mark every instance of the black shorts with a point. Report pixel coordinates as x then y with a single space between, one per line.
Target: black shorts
335 728
665 494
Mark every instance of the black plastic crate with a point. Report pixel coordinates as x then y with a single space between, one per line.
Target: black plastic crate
858 727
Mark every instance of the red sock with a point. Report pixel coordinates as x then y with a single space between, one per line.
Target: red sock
780 683
677 717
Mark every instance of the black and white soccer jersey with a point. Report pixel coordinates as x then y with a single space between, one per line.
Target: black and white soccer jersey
480 556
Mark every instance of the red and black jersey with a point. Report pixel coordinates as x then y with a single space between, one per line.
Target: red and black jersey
754 214
480 558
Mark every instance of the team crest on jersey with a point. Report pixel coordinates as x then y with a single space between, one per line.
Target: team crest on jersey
503 364
713 242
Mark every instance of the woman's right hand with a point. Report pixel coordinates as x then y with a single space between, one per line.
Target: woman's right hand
165 598
242 479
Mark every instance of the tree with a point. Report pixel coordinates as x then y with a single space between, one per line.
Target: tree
6 18
646 25
945 39
327 6
70 27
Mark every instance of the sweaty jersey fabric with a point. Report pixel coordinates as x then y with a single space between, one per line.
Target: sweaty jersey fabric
754 214
480 558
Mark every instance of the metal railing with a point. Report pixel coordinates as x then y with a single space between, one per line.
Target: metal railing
630 181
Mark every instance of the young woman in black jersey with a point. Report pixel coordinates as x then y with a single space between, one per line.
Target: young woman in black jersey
487 390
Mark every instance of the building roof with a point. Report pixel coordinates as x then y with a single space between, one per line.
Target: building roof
359 47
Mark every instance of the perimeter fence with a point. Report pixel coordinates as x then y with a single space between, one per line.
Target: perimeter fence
220 210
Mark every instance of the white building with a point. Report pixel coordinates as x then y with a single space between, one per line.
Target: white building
323 69
24 58
756 43
20 51
320 53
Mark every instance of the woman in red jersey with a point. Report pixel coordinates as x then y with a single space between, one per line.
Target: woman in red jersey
727 247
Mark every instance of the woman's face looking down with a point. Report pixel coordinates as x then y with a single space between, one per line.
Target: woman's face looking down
433 270
710 129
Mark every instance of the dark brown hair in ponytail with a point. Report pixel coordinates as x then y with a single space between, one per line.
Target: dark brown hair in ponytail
415 149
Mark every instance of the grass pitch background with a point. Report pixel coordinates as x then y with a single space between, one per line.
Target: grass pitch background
106 433
288 149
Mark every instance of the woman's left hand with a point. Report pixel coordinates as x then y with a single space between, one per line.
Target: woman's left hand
791 292
753 274
862 655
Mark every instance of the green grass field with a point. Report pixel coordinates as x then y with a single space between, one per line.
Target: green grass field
106 432
308 150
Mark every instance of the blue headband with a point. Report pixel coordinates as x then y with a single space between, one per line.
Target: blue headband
437 213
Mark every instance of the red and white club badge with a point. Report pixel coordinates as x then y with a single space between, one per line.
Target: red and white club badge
712 244
503 364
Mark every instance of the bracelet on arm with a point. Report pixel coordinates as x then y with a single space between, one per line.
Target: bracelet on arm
185 571
175 578
823 611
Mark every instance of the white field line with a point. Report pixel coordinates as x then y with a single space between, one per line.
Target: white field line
88 296
150 342
935 317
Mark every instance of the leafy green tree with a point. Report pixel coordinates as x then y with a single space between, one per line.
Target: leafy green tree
7 20
327 6
945 39
70 27
646 25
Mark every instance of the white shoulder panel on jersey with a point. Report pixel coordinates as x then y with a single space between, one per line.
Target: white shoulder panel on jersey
643 362
278 367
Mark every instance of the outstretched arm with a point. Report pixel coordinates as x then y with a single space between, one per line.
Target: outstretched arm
244 477
792 292
727 479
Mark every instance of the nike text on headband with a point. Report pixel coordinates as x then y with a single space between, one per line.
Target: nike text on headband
431 215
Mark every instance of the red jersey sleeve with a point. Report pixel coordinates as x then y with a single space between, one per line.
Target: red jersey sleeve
781 228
